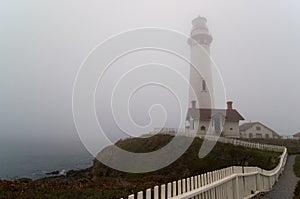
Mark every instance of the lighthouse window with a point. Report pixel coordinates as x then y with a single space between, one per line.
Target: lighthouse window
203 85
192 124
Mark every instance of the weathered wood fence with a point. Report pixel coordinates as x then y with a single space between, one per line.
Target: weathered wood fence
229 183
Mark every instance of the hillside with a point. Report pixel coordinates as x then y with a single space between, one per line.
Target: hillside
99 181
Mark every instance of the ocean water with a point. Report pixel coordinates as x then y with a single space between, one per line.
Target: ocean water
35 159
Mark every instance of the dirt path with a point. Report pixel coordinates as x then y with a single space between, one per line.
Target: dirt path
284 188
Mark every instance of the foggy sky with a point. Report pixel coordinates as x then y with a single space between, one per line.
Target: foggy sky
42 44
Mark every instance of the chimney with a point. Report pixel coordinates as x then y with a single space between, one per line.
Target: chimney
194 104
229 105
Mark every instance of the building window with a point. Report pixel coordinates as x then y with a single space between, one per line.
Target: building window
203 128
192 124
203 85
258 135
231 129
250 135
258 128
267 136
187 124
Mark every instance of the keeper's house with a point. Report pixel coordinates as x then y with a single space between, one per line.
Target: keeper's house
199 121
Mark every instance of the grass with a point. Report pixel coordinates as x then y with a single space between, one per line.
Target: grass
297 172
99 181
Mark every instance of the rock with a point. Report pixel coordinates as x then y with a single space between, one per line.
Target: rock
53 173
24 180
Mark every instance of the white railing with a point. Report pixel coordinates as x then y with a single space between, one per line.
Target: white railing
229 183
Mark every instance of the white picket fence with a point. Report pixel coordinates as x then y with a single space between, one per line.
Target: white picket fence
229 183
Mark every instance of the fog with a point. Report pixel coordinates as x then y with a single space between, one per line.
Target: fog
256 47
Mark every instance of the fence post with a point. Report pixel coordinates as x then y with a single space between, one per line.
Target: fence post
205 183
192 183
174 189
258 181
163 192
183 186
237 188
148 194
169 190
179 187
156 192
131 196
196 182
140 195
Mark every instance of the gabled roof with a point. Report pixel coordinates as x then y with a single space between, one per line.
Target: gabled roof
296 135
207 114
246 126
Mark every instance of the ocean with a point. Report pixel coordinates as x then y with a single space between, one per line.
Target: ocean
33 159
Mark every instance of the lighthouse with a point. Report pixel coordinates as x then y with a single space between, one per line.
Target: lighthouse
201 84
203 118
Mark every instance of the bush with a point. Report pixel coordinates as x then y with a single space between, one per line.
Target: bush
297 191
297 172
297 166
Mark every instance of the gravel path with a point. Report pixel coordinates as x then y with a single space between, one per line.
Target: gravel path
284 188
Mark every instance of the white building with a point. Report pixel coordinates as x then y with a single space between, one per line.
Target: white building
296 136
202 118
224 122
200 69
257 130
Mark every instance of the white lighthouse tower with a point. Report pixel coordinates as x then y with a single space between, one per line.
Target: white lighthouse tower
200 94
202 116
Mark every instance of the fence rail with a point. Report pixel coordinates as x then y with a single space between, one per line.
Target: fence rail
229 183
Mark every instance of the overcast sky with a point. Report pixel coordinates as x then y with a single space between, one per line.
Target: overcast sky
43 43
